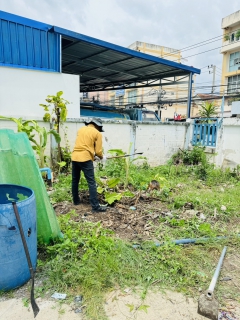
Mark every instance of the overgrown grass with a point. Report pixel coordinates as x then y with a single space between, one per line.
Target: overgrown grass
89 260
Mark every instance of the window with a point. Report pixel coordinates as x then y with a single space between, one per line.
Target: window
133 84
149 116
234 61
112 100
233 84
120 101
132 96
237 61
232 37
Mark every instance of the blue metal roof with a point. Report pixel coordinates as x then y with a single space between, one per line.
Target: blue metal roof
28 44
100 64
103 65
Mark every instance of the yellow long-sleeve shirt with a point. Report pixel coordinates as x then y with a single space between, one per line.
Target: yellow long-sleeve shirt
88 144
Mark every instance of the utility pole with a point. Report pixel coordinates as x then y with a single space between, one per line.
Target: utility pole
161 93
213 71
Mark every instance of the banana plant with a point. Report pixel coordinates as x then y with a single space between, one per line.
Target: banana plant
40 145
31 128
22 125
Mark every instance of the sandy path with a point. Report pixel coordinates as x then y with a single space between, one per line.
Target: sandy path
156 306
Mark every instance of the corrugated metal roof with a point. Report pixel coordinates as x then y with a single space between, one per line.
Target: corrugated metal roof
28 44
101 65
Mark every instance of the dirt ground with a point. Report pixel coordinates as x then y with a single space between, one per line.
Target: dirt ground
119 305
157 306
132 220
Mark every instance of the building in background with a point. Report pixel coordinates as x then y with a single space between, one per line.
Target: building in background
157 98
230 82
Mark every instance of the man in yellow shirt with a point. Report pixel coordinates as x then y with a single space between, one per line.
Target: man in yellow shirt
88 145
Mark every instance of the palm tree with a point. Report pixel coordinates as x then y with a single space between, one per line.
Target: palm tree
208 110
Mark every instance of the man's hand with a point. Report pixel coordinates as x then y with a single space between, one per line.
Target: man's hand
104 159
96 158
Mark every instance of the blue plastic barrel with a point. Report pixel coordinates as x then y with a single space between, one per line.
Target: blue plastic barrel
14 270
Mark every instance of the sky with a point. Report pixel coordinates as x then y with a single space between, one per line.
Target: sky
176 24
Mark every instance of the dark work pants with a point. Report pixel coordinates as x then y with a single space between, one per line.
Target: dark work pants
88 170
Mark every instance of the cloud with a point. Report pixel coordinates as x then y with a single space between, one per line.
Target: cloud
172 23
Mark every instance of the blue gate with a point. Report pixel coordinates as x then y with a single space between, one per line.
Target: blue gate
205 132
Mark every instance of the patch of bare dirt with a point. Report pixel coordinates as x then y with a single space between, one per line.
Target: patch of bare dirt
131 219
123 305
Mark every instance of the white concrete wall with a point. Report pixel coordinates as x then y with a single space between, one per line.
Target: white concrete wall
158 142
116 135
22 90
228 144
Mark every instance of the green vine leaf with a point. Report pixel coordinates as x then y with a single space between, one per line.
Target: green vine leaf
143 307
130 306
113 182
110 197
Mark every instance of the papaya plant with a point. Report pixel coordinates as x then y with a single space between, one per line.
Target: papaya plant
56 112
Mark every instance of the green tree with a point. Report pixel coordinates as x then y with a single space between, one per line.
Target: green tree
58 114
208 110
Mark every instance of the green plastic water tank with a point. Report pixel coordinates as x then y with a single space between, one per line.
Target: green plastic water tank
19 166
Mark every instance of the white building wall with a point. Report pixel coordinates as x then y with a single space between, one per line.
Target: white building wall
22 90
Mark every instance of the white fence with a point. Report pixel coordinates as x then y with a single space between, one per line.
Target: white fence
157 141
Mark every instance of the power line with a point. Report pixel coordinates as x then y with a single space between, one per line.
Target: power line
184 49
196 54
206 42
179 90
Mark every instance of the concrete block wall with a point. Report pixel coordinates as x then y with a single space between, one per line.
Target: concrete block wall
158 142
228 144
